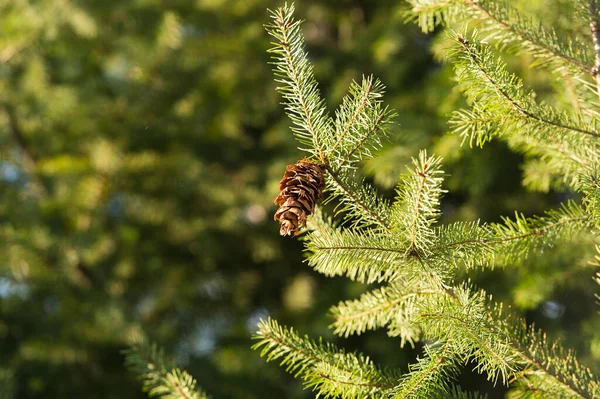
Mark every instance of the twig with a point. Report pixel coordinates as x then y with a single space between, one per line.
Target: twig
507 26
522 109
593 10
374 216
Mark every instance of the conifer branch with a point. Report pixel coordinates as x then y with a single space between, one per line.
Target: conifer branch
590 187
533 348
461 316
401 246
360 124
458 393
325 368
430 376
417 205
484 68
490 241
359 255
392 306
499 342
568 80
503 24
379 307
542 230
363 102
472 335
566 145
472 244
303 103
359 202
528 37
515 239
540 364
160 377
376 126
595 28
506 339
558 368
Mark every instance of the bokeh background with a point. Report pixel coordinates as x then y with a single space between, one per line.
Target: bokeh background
141 143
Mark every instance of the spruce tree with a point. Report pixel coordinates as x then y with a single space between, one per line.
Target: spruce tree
417 263
140 146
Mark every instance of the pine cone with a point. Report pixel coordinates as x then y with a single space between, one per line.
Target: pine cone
299 191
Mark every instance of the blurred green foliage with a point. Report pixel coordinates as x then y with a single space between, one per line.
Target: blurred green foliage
140 147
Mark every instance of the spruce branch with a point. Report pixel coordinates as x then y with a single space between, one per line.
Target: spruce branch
353 105
556 369
473 327
516 238
401 246
570 86
359 149
431 375
393 306
594 17
458 393
500 107
360 124
326 369
160 377
476 64
504 25
417 206
462 244
294 72
508 243
505 344
461 317
358 202
590 186
363 256
542 42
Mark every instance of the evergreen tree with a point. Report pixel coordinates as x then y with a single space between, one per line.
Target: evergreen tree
140 147
418 263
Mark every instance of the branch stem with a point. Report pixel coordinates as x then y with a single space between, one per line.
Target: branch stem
352 196
295 76
363 103
517 106
182 391
507 26
368 134
594 27
312 359
381 306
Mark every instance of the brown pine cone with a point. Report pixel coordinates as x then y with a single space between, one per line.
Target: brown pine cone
299 191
